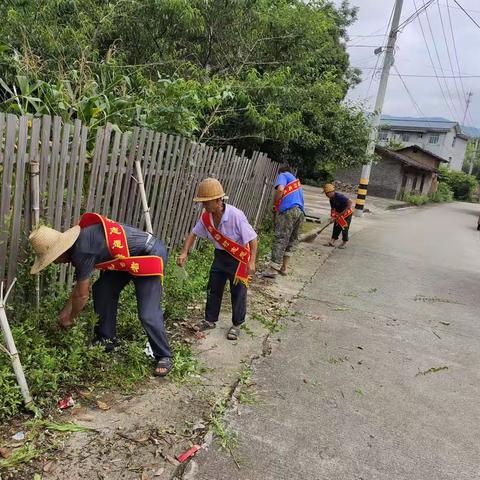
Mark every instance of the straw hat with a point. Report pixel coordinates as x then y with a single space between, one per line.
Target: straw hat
50 244
209 189
328 187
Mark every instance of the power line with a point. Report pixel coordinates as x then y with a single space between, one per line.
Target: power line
366 36
467 14
456 115
362 46
414 102
456 55
448 51
380 54
413 75
467 9
415 14
433 64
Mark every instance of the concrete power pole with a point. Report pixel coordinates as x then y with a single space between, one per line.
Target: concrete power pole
474 157
375 121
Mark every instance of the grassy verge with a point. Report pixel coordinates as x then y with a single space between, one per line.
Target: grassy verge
57 361
443 194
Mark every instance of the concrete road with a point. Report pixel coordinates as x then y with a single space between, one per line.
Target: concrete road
377 373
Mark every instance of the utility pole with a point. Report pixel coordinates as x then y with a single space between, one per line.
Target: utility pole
474 157
468 99
375 121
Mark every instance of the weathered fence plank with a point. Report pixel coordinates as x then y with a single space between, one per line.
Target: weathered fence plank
157 227
18 198
122 164
157 174
61 177
7 175
112 174
53 169
82 158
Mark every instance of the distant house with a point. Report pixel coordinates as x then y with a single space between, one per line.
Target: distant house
408 170
443 137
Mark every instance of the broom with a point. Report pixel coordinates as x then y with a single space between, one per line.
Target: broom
313 236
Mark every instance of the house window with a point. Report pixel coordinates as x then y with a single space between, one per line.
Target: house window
434 138
405 137
414 185
383 135
420 135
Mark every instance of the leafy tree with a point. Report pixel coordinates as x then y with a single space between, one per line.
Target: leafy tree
259 74
462 185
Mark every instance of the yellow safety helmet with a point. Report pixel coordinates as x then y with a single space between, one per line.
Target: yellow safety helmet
209 189
328 187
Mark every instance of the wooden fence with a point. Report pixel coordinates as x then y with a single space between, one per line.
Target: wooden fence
74 175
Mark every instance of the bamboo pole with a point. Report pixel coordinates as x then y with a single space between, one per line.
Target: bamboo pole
143 195
35 193
259 210
12 350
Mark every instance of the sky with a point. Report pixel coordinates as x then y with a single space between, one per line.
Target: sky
426 97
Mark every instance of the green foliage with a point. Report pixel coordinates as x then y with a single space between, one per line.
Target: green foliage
461 184
271 325
227 438
181 288
394 144
57 361
415 199
443 194
246 395
259 74
472 158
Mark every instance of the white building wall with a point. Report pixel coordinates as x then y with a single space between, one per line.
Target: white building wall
458 154
446 148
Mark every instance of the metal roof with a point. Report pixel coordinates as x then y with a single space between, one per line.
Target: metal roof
437 124
424 124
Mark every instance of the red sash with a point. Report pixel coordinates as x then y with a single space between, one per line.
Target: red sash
242 254
289 188
340 219
116 239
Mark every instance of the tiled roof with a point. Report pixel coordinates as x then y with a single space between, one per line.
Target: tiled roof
403 159
416 148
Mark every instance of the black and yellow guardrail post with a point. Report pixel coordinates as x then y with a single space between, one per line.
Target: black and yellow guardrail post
361 194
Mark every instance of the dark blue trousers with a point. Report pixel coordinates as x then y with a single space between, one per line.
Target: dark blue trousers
148 290
223 268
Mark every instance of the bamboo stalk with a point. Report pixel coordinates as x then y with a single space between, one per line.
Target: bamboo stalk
259 208
143 195
7 333
35 193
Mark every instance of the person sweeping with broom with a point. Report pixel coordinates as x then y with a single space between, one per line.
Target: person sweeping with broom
340 216
235 244
122 254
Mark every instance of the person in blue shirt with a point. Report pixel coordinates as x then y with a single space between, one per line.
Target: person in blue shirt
341 215
289 214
